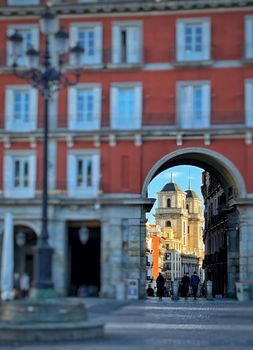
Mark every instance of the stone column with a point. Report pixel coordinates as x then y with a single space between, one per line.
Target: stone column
143 274
232 253
112 276
7 259
246 246
106 289
58 241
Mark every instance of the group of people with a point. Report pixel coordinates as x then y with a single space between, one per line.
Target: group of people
186 282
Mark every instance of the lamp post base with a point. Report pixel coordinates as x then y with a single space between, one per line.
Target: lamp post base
42 293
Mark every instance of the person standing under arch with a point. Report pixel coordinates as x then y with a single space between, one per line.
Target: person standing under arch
160 281
195 283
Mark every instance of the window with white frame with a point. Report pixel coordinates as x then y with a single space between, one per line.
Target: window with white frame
30 36
193 39
84 104
21 104
23 2
249 102
127 42
19 174
249 37
83 173
193 104
126 106
89 35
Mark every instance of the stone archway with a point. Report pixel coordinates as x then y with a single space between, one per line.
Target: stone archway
233 183
207 159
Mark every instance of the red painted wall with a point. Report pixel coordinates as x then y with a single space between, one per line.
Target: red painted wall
125 166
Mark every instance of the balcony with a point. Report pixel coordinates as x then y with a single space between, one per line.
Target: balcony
220 55
228 122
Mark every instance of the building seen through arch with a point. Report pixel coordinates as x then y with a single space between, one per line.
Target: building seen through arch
177 234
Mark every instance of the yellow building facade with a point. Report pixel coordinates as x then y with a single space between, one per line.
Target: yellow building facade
179 225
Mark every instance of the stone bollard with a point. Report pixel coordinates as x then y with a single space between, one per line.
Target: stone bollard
242 291
175 286
209 290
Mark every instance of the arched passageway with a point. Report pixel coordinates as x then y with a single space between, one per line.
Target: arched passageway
238 211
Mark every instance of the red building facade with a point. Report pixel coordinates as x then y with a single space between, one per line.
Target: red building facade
161 84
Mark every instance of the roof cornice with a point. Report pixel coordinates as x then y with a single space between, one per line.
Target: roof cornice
108 7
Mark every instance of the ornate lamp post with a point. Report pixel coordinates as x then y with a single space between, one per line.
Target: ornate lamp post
47 79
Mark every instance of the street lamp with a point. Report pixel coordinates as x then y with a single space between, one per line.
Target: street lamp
47 79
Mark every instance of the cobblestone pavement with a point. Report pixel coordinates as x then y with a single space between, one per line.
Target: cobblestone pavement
166 324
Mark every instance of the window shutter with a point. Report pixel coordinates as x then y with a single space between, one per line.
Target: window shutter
73 38
114 108
33 109
206 40
133 45
72 108
32 176
71 175
206 105
9 58
8 176
249 103
98 44
95 173
180 41
52 154
9 104
97 110
185 106
249 37
116 45
138 106
35 37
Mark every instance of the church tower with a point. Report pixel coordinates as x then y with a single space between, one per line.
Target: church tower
172 212
195 224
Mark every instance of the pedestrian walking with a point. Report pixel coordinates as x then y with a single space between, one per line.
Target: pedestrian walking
195 283
185 285
160 285
24 284
16 285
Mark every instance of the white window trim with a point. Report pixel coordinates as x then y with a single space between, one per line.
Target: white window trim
179 86
73 38
9 108
180 43
73 124
248 28
23 2
8 174
115 124
248 102
35 34
116 27
73 190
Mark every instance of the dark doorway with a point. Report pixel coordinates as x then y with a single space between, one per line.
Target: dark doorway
24 241
84 260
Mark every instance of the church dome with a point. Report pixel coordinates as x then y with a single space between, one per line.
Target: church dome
191 194
171 186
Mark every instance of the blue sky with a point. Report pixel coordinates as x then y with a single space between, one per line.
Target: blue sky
181 175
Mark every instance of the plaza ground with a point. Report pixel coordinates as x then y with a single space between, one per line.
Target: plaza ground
152 324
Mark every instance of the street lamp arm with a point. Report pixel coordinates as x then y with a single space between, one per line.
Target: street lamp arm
55 80
33 76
